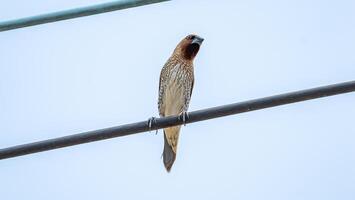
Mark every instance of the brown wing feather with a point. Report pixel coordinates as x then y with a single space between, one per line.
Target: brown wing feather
192 86
162 87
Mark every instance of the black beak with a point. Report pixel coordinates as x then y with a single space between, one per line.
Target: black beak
197 40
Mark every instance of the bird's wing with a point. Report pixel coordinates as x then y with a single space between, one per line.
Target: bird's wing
192 87
162 87
189 89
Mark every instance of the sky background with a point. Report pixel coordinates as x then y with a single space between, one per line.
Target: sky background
101 71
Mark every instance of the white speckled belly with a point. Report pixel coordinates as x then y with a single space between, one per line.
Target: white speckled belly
174 96
174 99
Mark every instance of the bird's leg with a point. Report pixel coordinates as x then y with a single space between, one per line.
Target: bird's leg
184 116
150 123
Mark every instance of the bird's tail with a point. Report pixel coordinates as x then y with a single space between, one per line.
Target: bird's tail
171 136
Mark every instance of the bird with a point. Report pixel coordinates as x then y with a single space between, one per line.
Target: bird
175 89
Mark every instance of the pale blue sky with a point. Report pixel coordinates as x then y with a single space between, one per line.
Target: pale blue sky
101 71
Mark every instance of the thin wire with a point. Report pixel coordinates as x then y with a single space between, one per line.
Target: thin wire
73 13
164 122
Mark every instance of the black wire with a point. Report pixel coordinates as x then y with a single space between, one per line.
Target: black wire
74 13
194 116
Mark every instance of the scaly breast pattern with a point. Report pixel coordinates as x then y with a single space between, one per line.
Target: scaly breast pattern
175 91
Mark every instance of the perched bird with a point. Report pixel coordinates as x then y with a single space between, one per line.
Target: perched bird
175 88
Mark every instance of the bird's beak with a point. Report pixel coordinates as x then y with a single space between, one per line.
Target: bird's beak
197 40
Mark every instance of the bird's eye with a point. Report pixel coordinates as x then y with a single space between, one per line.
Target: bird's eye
190 37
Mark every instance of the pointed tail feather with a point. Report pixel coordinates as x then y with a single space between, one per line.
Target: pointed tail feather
168 155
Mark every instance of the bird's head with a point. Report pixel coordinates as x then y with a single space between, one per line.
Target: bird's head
189 47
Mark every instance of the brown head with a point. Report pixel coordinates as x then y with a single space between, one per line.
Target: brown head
188 48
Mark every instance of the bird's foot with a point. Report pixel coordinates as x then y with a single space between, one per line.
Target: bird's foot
184 116
150 124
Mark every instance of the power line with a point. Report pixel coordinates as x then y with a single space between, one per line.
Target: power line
73 13
195 116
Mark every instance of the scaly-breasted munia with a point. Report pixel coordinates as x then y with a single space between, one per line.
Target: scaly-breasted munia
175 88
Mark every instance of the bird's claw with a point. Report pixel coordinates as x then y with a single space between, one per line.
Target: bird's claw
184 116
150 124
